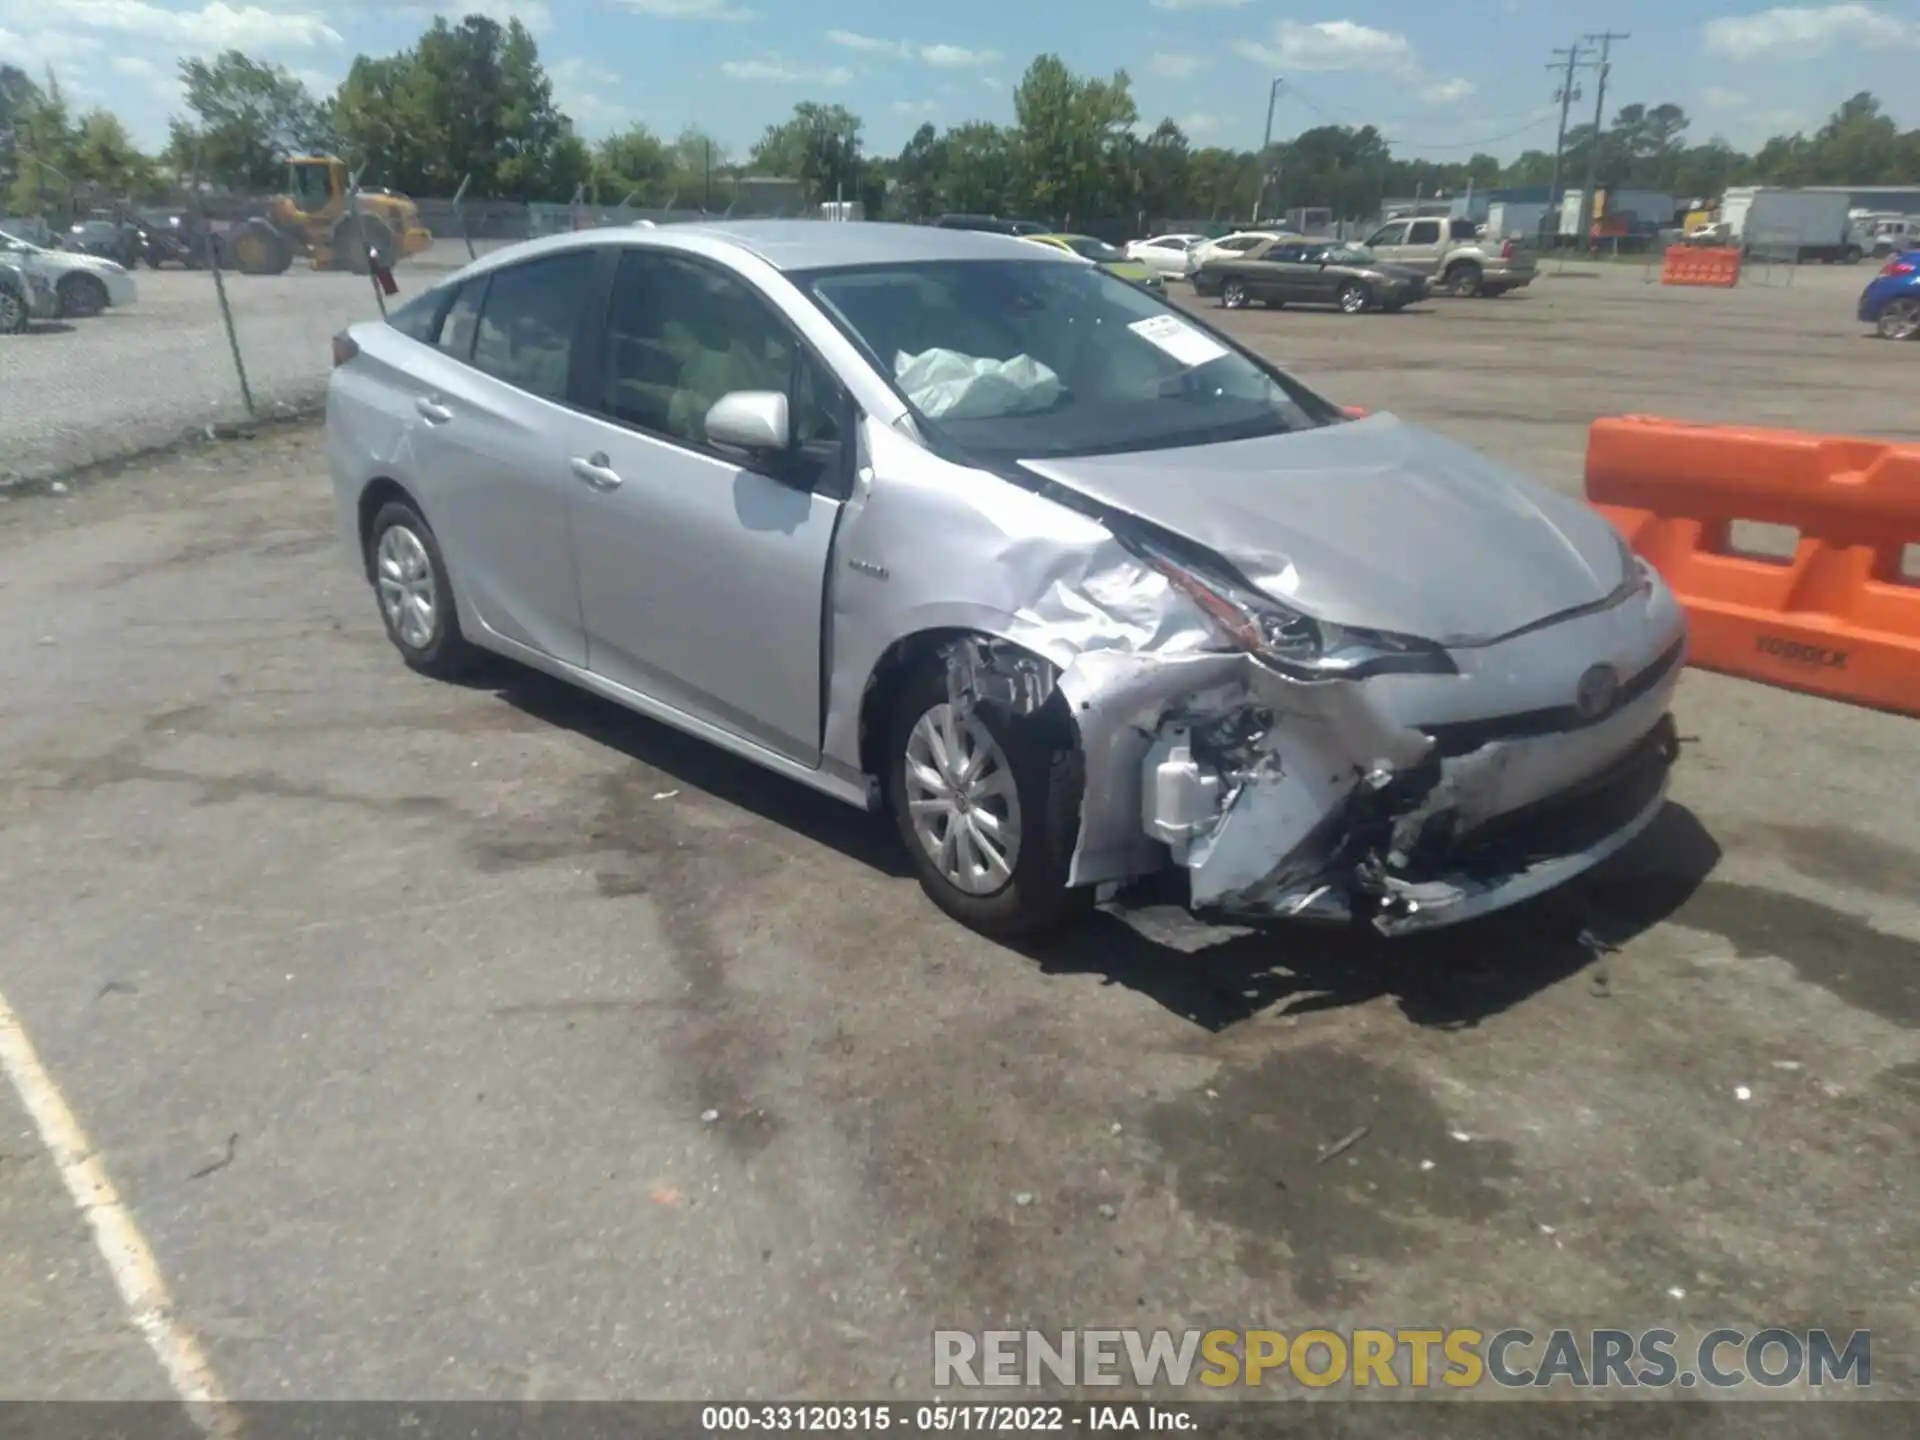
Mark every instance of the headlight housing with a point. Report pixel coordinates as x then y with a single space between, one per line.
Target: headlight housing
1292 642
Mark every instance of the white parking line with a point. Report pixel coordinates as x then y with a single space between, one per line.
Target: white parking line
136 1274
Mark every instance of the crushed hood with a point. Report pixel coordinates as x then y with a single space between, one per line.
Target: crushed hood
1373 523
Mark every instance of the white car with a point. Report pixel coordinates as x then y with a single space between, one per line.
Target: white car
1229 247
85 284
1164 254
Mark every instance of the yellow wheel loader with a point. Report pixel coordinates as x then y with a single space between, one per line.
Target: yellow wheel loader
318 218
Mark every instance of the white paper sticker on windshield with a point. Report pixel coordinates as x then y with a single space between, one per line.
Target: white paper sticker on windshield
1179 339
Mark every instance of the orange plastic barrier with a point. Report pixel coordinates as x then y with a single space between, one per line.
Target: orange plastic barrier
1838 618
1701 265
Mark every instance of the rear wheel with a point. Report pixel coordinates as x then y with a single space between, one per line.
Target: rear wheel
13 312
988 806
1464 279
415 593
1233 295
1900 320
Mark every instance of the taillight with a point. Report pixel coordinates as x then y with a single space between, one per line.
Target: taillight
1898 267
344 348
1506 250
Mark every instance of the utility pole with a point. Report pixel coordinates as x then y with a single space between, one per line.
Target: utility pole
1593 145
1266 145
1566 95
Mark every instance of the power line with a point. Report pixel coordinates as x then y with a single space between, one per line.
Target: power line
1533 124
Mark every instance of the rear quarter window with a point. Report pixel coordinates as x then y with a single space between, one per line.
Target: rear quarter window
419 318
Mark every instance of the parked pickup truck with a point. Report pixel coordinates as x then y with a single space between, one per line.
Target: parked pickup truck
1455 256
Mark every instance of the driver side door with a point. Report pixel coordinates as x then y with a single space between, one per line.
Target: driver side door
703 571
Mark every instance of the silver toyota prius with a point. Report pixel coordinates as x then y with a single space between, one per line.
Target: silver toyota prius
1073 585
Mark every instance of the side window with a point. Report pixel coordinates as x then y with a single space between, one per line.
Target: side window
1463 230
1394 234
526 329
418 319
681 335
1425 232
463 320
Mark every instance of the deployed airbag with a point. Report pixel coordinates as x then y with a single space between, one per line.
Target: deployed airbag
944 384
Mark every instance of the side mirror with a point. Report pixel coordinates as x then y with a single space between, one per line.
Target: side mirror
753 421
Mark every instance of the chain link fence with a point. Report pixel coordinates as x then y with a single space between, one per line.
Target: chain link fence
191 346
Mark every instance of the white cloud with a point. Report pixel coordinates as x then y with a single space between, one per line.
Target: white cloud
956 56
1198 4
1800 32
990 82
1448 92
775 71
947 56
1199 124
214 26
36 51
1330 45
691 10
578 89
1715 97
1176 67
916 107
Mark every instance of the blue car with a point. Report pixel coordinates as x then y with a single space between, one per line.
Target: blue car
1891 301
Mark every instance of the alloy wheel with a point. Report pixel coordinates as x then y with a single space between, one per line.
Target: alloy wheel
1901 320
405 578
1353 299
962 800
1233 295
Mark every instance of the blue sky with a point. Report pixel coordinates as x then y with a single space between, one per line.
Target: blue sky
1439 80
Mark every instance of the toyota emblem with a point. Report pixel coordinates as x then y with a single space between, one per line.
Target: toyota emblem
1596 692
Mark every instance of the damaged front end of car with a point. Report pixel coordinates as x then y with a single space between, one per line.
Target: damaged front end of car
1283 763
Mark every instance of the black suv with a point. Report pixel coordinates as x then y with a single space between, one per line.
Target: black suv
992 224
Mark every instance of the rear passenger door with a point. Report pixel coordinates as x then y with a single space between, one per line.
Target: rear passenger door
490 436
703 572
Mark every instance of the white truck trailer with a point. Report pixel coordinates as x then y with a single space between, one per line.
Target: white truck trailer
1775 223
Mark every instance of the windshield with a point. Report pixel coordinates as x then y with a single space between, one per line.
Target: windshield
1091 249
1031 359
10 241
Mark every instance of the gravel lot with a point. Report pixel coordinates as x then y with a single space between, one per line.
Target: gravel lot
393 1008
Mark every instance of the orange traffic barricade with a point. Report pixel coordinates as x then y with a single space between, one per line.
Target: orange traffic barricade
1701 265
1837 619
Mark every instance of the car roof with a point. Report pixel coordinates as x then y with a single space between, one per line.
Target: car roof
791 245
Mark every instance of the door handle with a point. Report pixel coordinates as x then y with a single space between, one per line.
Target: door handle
596 470
432 410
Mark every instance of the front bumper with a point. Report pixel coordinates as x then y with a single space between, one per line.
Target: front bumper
414 239
121 289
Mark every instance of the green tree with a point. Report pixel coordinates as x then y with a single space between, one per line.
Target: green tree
819 146
248 116
41 135
104 153
634 159
467 100
1073 141
978 177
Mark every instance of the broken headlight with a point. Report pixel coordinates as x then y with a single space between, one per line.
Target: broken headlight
1292 642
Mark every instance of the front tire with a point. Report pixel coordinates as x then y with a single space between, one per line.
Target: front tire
1354 298
988 807
82 296
415 594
